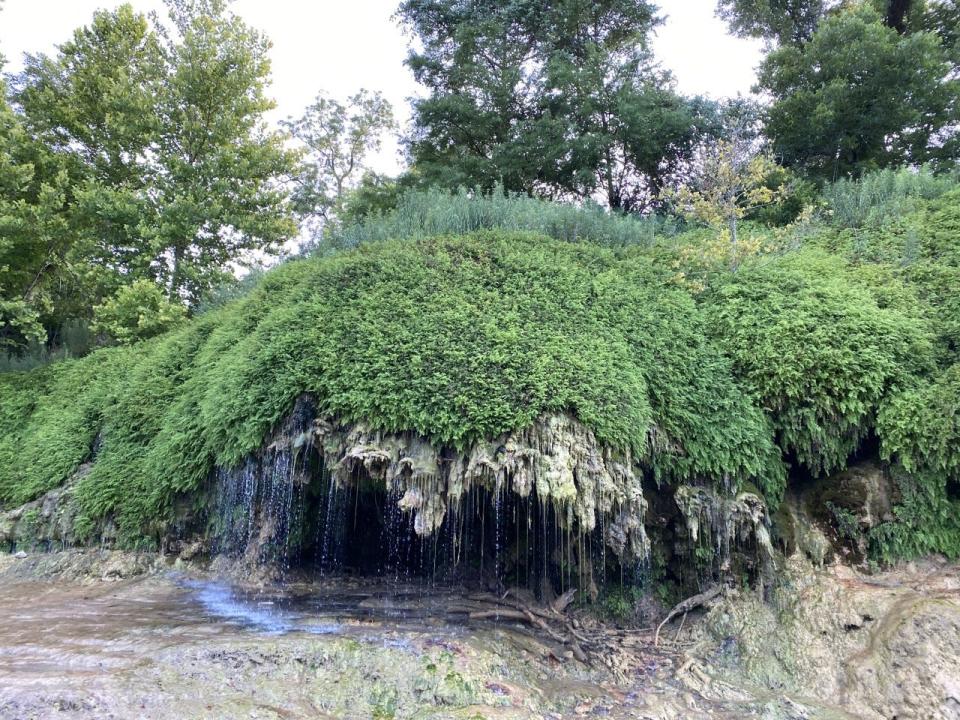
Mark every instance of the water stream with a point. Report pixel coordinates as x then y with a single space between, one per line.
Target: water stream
178 646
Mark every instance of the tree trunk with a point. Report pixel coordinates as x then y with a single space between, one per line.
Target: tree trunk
175 273
897 15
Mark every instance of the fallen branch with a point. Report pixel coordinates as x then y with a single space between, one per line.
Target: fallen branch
561 603
545 613
502 614
686 606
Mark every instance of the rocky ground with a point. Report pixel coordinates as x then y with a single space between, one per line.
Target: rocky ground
110 635
881 646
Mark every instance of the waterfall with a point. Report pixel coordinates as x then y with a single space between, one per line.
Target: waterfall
260 503
536 508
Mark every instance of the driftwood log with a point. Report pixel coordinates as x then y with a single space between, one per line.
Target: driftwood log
623 652
686 606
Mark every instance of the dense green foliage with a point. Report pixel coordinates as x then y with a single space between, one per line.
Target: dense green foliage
786 22
33 233
882 197
457 300
454 338
860 96
561 99
137 152
138 311
819 350
906 249
795 359
921 430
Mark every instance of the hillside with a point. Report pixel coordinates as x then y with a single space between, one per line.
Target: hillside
805 360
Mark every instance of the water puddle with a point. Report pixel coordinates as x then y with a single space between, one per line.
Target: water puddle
333 606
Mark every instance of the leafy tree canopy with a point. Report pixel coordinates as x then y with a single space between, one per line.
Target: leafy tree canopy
793 22
859 96
784 22
561 99
34 232
337 138
142 154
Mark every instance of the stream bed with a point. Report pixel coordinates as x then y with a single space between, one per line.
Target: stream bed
183 646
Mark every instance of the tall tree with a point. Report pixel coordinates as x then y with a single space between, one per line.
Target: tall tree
623 131
562 99
941 17
338 138
173 173
793 22
860 96
91 109
222 173
482 63
34 233
782 22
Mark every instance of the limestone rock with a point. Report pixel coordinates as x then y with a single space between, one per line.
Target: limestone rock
47 521
557 458
730 520
882 646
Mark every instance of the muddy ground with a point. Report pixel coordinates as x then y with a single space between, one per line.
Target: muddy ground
105 635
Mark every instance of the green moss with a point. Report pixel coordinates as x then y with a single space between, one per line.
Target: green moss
818 351
455 338
798 356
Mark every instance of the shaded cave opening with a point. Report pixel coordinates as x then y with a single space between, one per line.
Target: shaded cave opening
286 510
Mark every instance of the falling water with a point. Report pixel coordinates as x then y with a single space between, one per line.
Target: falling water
260 503
286 508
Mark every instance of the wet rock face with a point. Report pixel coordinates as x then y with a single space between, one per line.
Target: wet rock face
865 490
880 646
796 530
557 458
731 524
830 518
47 522
548 499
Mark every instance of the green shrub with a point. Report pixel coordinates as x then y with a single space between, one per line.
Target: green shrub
919 430
455 338
926 519
882 196
816 350
427 213
51 419
137 311
921 253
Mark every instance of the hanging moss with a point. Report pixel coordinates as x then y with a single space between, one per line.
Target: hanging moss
817 351
456 339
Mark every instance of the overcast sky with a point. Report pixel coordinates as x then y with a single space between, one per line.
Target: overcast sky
341 46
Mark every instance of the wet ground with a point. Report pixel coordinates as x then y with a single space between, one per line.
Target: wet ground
180 647
171 645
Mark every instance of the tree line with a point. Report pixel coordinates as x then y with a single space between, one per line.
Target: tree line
138 171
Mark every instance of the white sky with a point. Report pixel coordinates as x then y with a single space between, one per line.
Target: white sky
340 46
